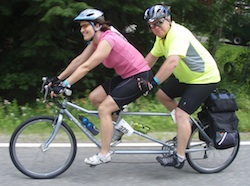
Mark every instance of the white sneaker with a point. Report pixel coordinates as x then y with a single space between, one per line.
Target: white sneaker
98 159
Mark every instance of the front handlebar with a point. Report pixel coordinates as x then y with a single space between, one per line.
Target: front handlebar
46 89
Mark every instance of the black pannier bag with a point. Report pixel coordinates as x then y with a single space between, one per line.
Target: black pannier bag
224 129
221 101
203 117
218 113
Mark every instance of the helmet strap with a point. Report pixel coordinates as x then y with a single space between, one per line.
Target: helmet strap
95 30
169 28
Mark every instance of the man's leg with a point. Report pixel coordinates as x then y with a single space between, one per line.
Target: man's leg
169 103
183 130
192 96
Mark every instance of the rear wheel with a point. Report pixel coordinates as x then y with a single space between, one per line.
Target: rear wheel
204 158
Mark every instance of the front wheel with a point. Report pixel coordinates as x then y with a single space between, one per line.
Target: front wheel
205 158
27 150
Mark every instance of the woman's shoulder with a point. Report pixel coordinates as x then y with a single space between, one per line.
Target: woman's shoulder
108 33
113 37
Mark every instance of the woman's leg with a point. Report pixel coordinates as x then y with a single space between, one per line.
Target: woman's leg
97 96
121 92
105 109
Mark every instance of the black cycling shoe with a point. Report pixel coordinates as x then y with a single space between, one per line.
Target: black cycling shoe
170 161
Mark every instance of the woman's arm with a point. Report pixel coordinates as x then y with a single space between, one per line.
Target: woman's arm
102 51
77 61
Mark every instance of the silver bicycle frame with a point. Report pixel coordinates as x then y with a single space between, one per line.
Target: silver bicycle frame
64 111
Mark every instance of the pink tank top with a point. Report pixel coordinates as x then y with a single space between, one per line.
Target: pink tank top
124 58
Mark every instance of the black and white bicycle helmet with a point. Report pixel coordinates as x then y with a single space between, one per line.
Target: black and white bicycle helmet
156 12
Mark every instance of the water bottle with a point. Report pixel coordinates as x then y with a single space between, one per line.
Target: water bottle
89 125
141 128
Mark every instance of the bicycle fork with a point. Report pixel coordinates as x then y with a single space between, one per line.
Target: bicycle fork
56 126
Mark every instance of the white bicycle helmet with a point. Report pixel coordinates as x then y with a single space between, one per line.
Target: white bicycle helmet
156 12
90 15
93 16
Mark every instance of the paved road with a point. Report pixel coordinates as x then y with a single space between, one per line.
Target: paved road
130 170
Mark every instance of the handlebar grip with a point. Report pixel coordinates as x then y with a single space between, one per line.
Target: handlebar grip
68 92
46 89
44 78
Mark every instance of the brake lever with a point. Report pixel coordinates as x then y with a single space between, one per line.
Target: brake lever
46 88
44 79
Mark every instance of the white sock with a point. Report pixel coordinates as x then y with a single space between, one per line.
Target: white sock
104 155
181 158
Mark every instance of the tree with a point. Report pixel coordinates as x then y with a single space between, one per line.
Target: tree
35 36
39 37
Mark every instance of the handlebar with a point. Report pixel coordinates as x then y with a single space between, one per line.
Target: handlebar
46 89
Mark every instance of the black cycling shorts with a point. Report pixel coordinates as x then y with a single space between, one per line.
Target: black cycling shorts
125 91
192 95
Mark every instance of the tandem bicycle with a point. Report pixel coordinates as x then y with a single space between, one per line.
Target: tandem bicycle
43 136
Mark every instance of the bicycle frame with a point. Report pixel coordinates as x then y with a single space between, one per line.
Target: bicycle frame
64 111
201 154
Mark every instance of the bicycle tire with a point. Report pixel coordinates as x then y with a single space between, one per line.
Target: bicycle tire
211 160
38 163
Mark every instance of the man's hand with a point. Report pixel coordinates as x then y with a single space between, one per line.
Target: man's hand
146 86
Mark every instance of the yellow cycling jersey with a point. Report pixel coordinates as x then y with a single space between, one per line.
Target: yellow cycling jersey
196 66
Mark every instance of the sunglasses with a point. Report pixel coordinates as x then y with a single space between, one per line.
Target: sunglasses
158 23
84 26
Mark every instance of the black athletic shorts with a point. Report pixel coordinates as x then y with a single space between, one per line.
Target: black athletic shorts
192 95
125 91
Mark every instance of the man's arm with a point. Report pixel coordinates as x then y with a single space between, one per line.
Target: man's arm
167 68
151 59
163 73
